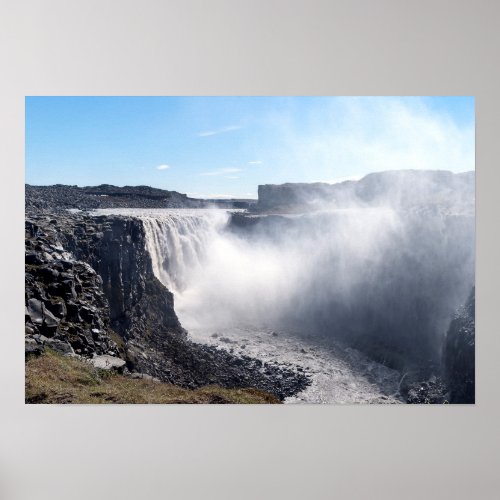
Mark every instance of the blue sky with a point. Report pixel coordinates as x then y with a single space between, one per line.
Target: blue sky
227 146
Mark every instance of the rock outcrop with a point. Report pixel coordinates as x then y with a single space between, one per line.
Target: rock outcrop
455 381
105 196
65 305
459 354
91 291
59 196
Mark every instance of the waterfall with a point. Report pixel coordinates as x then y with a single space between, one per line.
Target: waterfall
388 281
177 242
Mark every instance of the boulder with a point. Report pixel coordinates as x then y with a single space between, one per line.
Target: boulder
87 314
48 274
106 362
29 329
73 313
32 348
40 315
68 288
50 322
58 308
33 259
35 311
60 347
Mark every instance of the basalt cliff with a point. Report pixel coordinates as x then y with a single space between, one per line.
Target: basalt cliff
91 293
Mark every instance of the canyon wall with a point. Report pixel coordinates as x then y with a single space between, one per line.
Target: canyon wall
441 190
112 304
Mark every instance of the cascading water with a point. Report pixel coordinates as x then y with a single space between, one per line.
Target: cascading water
177 242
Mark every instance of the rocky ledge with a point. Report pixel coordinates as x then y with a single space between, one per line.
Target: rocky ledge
91 293
59 197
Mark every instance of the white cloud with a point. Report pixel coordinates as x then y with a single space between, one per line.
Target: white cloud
222 171
208 133
355 136
162 167
256 162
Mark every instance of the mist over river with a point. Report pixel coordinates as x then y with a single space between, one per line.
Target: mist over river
351 297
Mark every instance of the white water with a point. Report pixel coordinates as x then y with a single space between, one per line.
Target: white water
177 244
225 290
177 240
338 374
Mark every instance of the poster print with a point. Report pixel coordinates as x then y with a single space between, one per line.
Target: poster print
250 250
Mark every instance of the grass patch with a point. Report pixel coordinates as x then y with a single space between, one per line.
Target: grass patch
53 378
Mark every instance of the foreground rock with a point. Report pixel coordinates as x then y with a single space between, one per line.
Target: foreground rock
106 362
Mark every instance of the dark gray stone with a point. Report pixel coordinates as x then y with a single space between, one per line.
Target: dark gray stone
33 259
35 311
32 348
59 346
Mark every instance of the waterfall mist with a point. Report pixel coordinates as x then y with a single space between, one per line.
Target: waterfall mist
383 277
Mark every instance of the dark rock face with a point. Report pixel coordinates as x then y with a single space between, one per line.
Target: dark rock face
89 279
430 390
65 305
456 382
459 354
115 248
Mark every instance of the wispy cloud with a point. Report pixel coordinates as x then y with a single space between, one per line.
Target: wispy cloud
208 133
222 171
256 162
162 167
352 137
